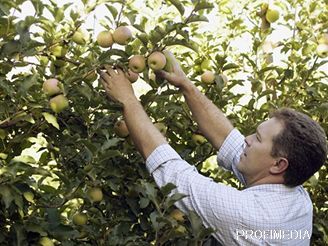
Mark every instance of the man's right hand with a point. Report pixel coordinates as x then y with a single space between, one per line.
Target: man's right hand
175 75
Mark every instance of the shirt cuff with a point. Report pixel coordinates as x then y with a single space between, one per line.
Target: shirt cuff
161 155
230 149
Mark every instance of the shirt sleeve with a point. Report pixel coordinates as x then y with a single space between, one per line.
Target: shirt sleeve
215 203
228 155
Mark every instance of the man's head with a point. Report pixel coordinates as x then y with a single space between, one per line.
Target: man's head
302 142
288 148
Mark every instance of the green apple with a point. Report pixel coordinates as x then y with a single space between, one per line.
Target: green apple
207 77
137 63
95 194
122 35
80 219
105 39
132 76
272 15
58 50
198 139
323 39
161 127
121 129
51 87
206 65
156 61
46 241
79 37
58 103
322 50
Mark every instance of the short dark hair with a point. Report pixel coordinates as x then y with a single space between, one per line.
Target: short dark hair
302 142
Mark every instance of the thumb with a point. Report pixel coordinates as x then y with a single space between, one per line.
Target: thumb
163 74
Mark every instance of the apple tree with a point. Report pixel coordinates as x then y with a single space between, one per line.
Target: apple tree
70 174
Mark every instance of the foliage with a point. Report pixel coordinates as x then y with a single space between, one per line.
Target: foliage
49 161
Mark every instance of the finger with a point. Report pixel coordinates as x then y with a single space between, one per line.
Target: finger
163 74
119 71
104 83
105 76
107 66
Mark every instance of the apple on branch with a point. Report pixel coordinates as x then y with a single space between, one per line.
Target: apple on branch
207 77
137 63
95 194
105 39
51 87
122 35
79 37
121 129
58 103
156 61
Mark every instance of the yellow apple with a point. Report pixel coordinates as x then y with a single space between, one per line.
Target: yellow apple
58 50
207 77
80 219
105 39
79 37
95 194
177 215
58 103
51 87
157 61
272 15
161 127
46 241
121 129
137 63
198 139
132 76
122 35
323 39
322 50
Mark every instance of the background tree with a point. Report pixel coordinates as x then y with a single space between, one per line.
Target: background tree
69 173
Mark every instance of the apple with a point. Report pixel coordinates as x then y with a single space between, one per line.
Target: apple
137 63
198 139
177 215
323 39
322 50
58 50
122 35
157 61
161 127
121 129
206 65
51 87
207 77
132 76
58 103
80 219
180 229
95 194
79 37
105 39
29 196
46 241
272 15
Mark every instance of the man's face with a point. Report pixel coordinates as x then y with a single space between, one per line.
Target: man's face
256 160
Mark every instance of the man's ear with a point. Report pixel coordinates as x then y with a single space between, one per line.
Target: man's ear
280 166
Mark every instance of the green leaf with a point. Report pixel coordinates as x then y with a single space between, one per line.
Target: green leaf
178 5
166 189
51 119
112 10
196 18
6 195
229 66
204 5
172 199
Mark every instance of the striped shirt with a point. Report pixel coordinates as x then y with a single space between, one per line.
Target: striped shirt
267 214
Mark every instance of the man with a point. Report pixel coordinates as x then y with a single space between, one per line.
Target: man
272 163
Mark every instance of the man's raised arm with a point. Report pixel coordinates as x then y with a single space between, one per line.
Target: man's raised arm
210 119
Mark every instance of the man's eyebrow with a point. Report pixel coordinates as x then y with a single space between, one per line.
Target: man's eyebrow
258 133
